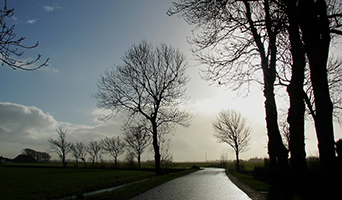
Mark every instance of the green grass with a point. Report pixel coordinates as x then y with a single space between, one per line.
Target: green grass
133 190
251 181
52 183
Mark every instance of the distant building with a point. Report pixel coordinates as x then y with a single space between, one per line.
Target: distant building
24 159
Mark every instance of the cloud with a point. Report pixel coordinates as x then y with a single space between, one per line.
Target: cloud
49 68
31 21
24 126
48 8
24 123
53 7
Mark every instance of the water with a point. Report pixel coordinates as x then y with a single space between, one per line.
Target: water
210 183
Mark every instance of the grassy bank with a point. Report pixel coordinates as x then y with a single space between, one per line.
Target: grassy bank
133 190
251 181
52 183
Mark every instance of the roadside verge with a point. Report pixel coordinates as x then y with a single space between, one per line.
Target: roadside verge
133 190
240 180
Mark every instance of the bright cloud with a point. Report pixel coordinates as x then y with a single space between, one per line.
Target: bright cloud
29 127
31 21
53 7
23 123
48 8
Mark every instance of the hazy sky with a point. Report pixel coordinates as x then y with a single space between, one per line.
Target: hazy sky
82 40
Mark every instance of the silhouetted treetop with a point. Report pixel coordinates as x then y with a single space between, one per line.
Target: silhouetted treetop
150 84
11 47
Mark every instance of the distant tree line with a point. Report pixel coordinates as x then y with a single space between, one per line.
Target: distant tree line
137 139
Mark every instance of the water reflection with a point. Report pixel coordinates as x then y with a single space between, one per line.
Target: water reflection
210 183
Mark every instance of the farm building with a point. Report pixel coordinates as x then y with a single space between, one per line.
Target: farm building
24 159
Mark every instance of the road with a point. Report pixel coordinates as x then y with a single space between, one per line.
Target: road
210 183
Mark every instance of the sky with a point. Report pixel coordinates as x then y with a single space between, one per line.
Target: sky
84 38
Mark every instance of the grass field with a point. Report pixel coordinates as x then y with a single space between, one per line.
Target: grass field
52 183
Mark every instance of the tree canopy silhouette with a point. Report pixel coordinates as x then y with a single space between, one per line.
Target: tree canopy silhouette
10 45
232 128
238 43
61 146
149 84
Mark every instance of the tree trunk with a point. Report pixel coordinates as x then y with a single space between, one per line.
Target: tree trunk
276 149
295 91
314 24
139 161
156 148
64 162
115 161
237 161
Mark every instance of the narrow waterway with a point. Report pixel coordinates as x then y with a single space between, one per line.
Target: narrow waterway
210 183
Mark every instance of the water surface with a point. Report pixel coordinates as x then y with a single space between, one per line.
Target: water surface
210 183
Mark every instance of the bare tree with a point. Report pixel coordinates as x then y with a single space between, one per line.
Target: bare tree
10 46
138 138
114 146
285 131
334 70
79 151
318 23
129 158
232 128
94 148
74 153
237 41
82 151
150 84
61 146
165 151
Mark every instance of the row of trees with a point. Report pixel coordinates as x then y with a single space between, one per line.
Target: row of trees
274 43
135 142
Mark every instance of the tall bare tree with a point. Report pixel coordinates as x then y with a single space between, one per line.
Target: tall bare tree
82 151
79 151
61 146
94 148
74 153
237 41
315 26
114 146
138 138
165 151
11 47
149 84
232 128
